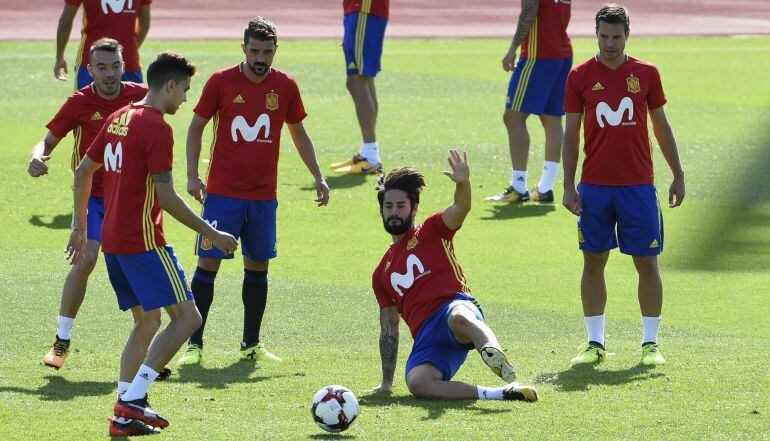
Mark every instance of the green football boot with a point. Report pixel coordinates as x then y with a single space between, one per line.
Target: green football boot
594 353
651 355
192 356
257 352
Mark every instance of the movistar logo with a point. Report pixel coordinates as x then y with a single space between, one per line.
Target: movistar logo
614 117
251 133
113 159
406 280
117 6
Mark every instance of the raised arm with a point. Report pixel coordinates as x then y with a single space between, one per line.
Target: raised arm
77 246
62 36
389 320
195 186
454 215
142 25
171 202
41 153
570 155
306 151
665 137
526 18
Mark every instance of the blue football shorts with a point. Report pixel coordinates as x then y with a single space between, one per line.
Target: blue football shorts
94 218
362 43
537 86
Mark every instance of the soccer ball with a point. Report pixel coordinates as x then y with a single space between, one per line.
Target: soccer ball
334 408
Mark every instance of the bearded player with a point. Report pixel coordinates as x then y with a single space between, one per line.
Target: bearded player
420 280
616 201
249 102
84 114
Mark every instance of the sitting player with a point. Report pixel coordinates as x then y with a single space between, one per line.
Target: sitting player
419 278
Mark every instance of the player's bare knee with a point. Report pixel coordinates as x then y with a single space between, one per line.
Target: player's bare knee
594 262
209 263
148 324
418 386
460 318
515 120
646 264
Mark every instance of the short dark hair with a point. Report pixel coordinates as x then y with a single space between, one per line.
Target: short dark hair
613 13
407 179
168 66
260 28
106 45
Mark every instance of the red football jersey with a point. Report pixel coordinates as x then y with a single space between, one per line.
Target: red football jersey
84 112
614 105
420 273
374 7
548 39
113 19
133 145
248 119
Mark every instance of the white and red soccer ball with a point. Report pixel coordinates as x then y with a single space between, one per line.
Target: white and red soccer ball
334 408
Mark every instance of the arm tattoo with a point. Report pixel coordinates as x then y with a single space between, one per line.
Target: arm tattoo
388 345
161 178
526 18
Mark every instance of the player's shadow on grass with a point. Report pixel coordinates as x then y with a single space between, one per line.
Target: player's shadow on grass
581 378
60 389
514 211
59 222
221 378
435 408
337 182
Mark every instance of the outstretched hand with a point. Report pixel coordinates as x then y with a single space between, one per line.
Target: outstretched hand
460 173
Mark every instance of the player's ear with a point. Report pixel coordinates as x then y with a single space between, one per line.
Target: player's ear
243 48
90 70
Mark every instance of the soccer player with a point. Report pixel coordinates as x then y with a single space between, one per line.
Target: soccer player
135 148
365 22
616 201
127 21
420 279
536 87
84 113
250 102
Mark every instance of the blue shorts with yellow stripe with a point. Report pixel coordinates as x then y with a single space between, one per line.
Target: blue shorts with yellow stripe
537 86
362 43
152 280
626 216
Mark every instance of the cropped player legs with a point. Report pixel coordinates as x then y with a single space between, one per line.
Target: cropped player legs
185 319
593 289
254 296
518 138
650 285
425 381
362 91
77 280
146 325
554 134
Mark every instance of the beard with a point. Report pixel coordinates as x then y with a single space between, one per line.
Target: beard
396 225
258 69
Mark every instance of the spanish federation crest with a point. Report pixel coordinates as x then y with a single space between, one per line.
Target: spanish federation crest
412 243
205 243
271 101
633 84
581 239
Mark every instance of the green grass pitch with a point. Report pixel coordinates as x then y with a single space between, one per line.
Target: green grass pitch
522 262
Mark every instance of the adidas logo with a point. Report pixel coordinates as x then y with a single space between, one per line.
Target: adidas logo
352 65
145 376
654 243
96 116
598 86
239 100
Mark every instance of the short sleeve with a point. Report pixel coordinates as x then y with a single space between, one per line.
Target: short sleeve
65 120
160 150
573 102
655 96
208 104
436 223
383 299
96 149
296 109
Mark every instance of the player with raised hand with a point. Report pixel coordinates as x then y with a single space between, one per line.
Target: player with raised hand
616 200
249 102
135 148
84 113
420 280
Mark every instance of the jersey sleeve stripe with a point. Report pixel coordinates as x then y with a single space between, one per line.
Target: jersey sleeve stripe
76 158
148 230
455 266
521 88
213 146
173 275
366 6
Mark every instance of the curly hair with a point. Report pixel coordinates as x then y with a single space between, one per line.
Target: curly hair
407 179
